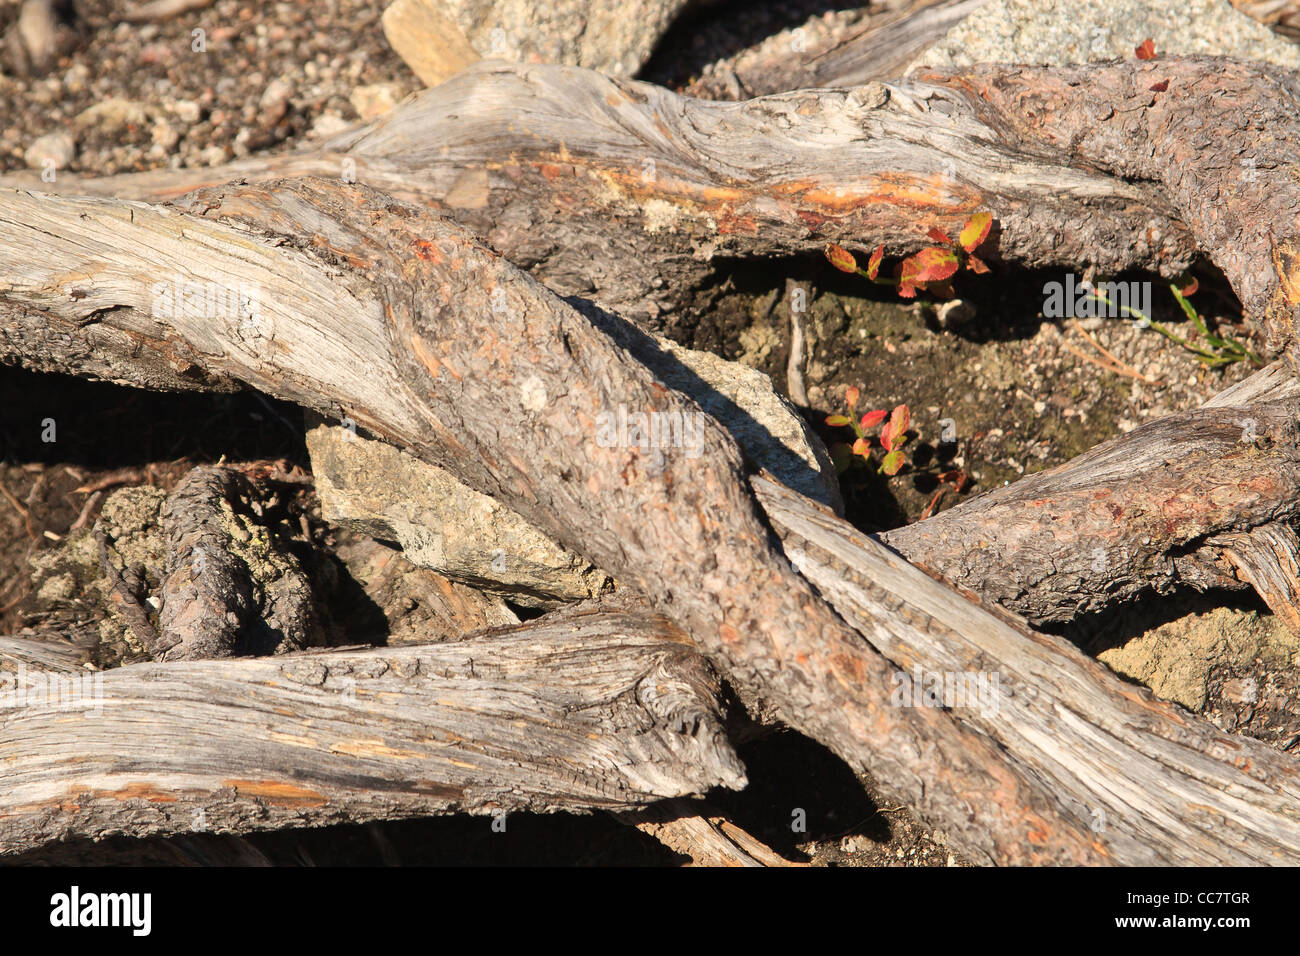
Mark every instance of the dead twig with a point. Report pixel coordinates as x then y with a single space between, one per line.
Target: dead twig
86 510
1111 355
1107 365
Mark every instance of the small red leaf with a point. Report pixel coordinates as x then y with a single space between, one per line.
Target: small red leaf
838 421
938 235
872 419
1190 288
873 264
907 277
899 421
851 395
862 447
893 462
975 231
841 258
1147 51
1159 87
935 263
976 265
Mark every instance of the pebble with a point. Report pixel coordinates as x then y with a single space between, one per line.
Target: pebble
58 146
327 125
375 100
274 102
113 114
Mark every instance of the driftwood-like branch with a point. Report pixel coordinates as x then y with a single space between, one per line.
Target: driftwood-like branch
883 50
1132 514
994 665
222 597
397 318
627 193
707 838
1218 137
589 709
458 349
1159 785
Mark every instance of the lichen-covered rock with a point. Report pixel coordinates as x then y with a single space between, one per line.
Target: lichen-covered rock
374 488
70 587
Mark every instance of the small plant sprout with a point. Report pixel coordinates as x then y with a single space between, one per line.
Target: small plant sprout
928 270
892 437
1217 350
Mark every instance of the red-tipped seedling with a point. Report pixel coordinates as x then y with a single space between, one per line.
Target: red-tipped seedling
892 436
930 269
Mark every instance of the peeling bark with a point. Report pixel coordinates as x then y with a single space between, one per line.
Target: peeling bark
1158 785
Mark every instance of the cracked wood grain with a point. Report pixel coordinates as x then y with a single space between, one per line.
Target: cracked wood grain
387 313
593 708
1160 786
629 194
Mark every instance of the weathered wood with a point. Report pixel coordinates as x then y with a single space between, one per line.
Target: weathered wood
589 709
1268 558
1131 515
1221 149
703 835
1001 654
882 50
629 194
390 315
230 586
447 373
1159 785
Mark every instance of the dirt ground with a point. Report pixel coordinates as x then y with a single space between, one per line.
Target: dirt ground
1023 393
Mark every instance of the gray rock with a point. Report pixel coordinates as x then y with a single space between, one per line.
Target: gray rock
1059 32
615 38
374 488
768 429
